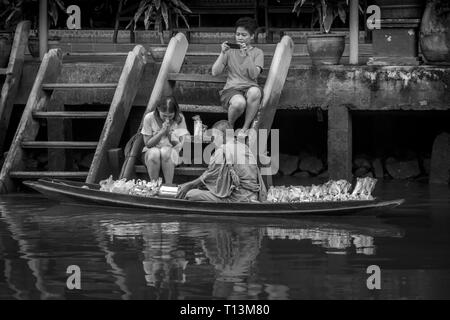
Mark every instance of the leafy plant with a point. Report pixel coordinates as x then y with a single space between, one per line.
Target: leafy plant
13 11
325 12
158 11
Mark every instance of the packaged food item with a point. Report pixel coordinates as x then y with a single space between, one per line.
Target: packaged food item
198 128
168 191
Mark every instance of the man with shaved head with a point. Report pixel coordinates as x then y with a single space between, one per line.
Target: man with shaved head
232 175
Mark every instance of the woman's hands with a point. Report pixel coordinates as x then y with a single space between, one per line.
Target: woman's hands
165 128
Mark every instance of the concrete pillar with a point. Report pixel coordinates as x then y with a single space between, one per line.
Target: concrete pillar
354 31
339 143
43 28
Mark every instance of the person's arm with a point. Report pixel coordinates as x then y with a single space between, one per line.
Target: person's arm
221 61
152 140
184 188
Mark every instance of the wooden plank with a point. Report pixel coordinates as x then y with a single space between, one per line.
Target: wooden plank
119 111
172 62
13 74
194 77
70 114
59 144
69 86
48 174
28 127
272 90
201 108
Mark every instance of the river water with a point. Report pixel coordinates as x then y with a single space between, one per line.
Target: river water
124 255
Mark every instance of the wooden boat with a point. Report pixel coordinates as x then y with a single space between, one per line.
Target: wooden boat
90 194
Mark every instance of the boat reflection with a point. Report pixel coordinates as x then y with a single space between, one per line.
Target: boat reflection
226 254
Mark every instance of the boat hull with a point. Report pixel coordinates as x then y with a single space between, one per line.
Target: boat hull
74 192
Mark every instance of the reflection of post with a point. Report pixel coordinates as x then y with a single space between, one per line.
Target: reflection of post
232 252
33 263
119 274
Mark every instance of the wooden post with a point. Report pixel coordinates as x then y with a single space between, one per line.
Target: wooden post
43 28
354 31
12 80
28 128
339 143
59 130
118 113
172 62
117 22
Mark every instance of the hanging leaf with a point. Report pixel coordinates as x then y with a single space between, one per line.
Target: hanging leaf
180 14
157 4
60 4
342 12
328 19
297 6
165 14
181 5
148 14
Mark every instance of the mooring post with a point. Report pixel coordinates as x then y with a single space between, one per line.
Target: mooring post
43 28
354 31
339 143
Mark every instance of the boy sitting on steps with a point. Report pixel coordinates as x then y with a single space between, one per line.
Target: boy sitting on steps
241 92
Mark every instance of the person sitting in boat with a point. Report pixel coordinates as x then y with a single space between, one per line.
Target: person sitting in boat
232 174
241 91
163 131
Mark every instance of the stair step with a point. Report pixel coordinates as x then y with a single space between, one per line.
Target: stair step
201 108
3 70
60 144
65 86
193 77
72 115
48 174
181 170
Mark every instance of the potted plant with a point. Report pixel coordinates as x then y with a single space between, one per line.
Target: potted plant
13 11
435 32
158 13
325 47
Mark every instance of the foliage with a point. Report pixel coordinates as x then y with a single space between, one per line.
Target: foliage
157 11
325 11
13 11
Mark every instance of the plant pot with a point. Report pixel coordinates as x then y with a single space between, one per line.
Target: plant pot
325 49
5 50
33 44
158 53
435 34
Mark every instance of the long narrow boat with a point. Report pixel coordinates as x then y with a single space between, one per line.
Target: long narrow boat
89 194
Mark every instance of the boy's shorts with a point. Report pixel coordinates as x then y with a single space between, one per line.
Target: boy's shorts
227 94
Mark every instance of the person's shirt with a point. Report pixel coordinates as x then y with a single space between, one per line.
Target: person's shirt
151 127
233 166
237 67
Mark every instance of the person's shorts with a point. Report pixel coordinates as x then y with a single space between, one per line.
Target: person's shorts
227 94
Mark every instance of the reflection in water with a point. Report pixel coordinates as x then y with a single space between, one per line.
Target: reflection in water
327 238
156 256
231 250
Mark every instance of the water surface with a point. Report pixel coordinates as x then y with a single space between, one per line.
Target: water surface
124 255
